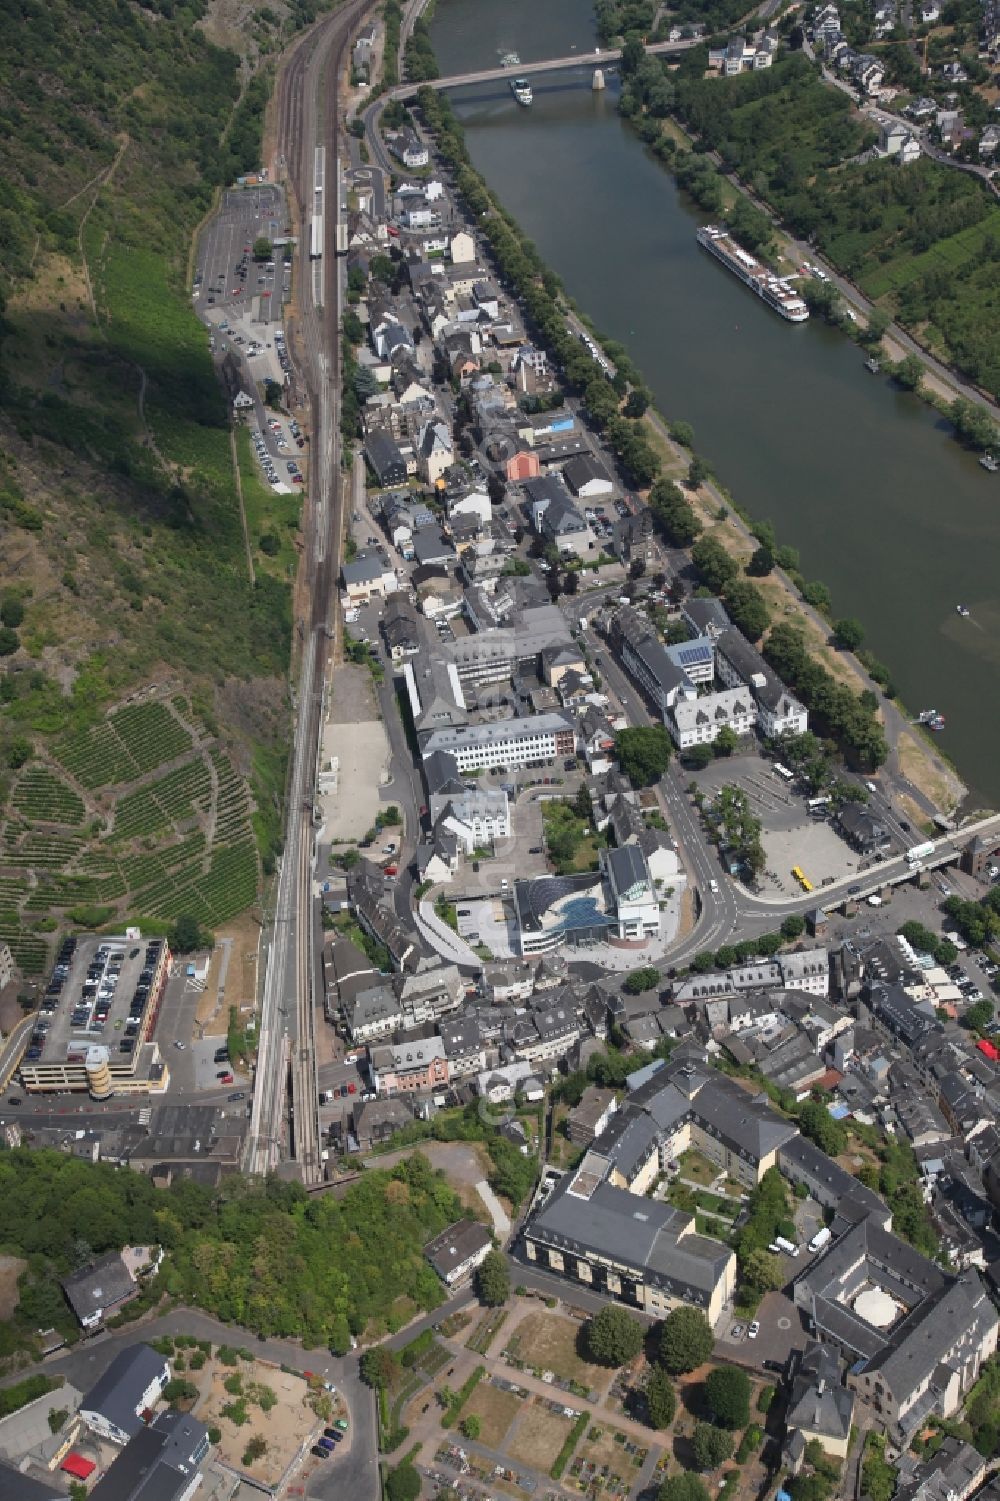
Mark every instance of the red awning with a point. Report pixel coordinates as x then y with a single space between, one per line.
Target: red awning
75 1464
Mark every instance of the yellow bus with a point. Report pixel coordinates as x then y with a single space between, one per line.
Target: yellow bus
802 878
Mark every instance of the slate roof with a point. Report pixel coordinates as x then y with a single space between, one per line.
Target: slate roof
115 1394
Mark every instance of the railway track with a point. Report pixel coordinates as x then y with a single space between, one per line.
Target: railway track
308 116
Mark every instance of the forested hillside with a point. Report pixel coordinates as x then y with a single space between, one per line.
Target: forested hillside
269 1258
123 565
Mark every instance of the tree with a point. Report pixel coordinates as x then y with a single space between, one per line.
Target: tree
910 372
725 741
698 472
710 1445
471 1426
11 611
9 641
379 1367
263 250
698 756
686 1340
816 1122
747 607
637 401
613 1337
643 753
762 1271
848 634
979 1016
403 1483
186 935
793 927
683 1487
493 1280
661 1398
762 562
642 979
727 1393
787 558
712 561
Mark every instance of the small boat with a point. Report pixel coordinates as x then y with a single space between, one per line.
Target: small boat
927 715
991 462
521 89
963 610
873 364
510 60
937 723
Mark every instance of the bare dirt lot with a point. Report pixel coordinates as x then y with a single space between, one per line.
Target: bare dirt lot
539 1436
274 1408
354 739
11 1268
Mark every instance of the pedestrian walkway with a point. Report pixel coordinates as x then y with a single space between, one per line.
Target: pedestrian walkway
444 940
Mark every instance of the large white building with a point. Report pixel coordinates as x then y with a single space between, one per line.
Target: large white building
698 721
532 740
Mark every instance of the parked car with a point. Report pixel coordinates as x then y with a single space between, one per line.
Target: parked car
754 1329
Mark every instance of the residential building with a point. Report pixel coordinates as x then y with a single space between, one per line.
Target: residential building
99 1288
457 1251
591 1116
532 740
434 452
416 1066
862 829
465 1046
648 662
6 964
434 693
160 1463
587 477
132 1385
462 248
953 1473
432 991
739 664
820 1408
367 578
698 721
409 149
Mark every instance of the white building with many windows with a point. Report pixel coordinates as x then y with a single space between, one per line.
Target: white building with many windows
534 739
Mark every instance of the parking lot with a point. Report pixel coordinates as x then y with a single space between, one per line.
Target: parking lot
241 299
789 833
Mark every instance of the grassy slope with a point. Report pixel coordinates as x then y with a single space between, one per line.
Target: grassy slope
122 535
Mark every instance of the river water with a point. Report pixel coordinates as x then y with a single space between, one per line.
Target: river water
861 478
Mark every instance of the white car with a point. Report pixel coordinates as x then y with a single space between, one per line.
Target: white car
754 1330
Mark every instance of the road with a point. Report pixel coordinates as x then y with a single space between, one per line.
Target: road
598 59
308 116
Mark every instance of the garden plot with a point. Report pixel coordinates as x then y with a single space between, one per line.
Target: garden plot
547 1342
496 1411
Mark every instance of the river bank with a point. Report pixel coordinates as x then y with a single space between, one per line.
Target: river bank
932 786
856 474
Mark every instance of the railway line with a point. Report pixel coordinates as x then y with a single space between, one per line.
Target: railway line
308 114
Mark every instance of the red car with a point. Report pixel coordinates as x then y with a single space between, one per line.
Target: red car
352 1089
226 1079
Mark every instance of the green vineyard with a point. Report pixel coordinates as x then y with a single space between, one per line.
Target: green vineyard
136 822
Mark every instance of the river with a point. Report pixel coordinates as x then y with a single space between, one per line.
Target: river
883 506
